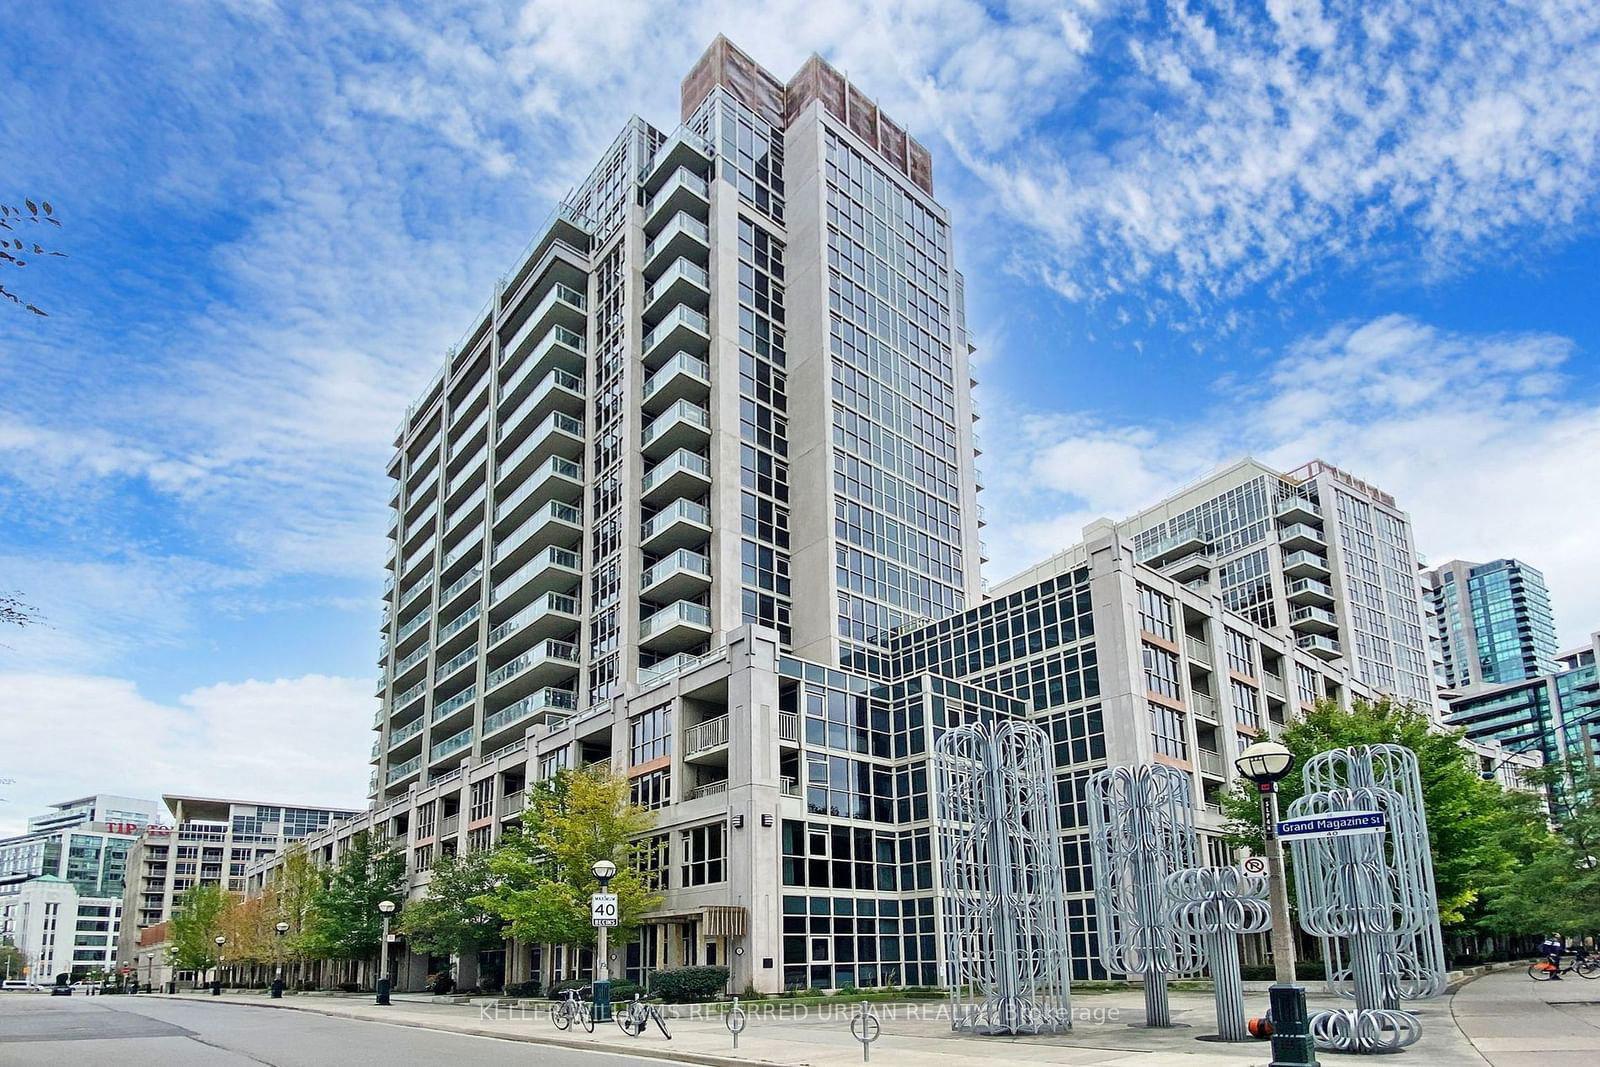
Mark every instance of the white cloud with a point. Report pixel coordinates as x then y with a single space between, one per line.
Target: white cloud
1480 437
296 740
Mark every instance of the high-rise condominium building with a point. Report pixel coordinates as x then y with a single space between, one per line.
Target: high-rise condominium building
1314 552
102 807
682 504
1555 715
84 842
1492 623
728 383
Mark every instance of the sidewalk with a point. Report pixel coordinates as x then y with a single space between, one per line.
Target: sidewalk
1514 1021
914 1034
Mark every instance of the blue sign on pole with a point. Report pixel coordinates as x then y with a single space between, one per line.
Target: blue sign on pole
1343 824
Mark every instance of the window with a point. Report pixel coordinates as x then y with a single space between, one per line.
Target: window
1167 727
1246 704
652 790
650 735
1155 614
652 860
1240 651
1161 672
702 854
482 800
551 762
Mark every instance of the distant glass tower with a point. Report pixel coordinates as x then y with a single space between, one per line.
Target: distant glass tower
1492 622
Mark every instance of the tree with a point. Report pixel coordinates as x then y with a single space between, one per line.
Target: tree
18 254
12 958
296 884
344 922
196 922
546 869
1465 813
17 612
250 925
1553 884
452 919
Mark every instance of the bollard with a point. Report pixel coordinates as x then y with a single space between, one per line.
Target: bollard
865 1029
735 1022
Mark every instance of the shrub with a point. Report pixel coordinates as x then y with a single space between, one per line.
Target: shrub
522 989
688 984
1305 971
306 986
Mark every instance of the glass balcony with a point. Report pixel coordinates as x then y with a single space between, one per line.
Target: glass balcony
683 235
460 700
467 581
468 473
419 587
563 307
683 473
461 659
1305 565
544 664
682 425
468 406
684 148
470 508
684 190
1174 547
675 627
557 391
553 570
410 661
550 615
468 545
1312 619
409 697
421 490
412 625
558 478
677 575
462 444
451 744
401 771
1320 646
680 524
405 733
423 522
561 349
683 282
681 328
556 522
416 559
1310 591
558 434
533 706
683 377
1296 508
458 624
1301 535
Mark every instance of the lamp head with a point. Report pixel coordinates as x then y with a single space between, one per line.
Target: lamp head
604 870
1265 762
282 928
221 940
386 906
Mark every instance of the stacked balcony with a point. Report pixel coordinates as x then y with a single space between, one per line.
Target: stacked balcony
538 706
1312 619
1305 564
680 625
548 663
681 377
679 575
1310 591
555 569
1320 646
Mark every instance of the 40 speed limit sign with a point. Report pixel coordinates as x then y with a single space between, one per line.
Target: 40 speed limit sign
603 909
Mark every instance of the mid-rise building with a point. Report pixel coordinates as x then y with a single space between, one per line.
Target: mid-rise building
59 929
1492 622
211 840
1555 715
1315 553
84 842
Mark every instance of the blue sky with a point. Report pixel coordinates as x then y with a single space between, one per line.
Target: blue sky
1292 229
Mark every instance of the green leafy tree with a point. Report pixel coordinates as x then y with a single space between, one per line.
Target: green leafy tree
1553 881
297 883
546 873
453 919
344 921
12 958
197 920
1465 814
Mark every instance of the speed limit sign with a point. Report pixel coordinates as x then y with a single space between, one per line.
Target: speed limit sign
603 909
1254 865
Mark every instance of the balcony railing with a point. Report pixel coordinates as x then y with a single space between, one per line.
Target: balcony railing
1199 651
789 726
681 559
1204 707
1210 762
682 178
681 363
681 461
453 743
554 510
547 699
467 544
403 770
705 736
473 502
788 786
425 519
418 586
708 789
552 556
555 465
678 510
459 660
449 824
409 695
473 574
680 316
565 651
550 602
411 660
682 269
406 732
460 622
682 223
673 614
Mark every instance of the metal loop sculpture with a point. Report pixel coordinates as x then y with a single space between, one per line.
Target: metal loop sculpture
1007 954
1217 904
1370 897
1141 829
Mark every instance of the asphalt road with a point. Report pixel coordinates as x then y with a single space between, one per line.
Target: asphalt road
151 1032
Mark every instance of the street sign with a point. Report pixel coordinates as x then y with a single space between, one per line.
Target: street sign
1343 824
603 909
1254 865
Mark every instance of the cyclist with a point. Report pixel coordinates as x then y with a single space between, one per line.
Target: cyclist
1553 947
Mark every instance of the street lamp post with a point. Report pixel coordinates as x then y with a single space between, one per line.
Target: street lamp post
604 871
277 976
387 908
1266 763
216 972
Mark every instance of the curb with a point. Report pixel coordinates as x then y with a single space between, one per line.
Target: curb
654 1052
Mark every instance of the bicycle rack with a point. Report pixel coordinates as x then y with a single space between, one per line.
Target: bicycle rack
864 1028
735 1021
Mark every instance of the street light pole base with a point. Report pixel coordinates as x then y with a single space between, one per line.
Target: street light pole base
383 991
600 1001
1292 1044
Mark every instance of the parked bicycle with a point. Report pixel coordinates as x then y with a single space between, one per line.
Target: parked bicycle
636 1017
1550 968
572 1006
